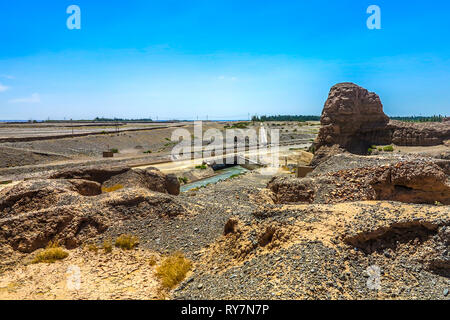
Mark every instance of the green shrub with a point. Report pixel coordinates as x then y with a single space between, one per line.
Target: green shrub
369 151
170 144
183 179
114 150
240 125
388 148
202 167
148 151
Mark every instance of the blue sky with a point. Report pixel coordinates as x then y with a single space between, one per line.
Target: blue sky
221 59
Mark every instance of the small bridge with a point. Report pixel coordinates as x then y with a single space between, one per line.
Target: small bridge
233 160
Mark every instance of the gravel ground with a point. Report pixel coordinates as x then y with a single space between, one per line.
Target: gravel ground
313 268
313 271
305 266
213 205
44 170
346 161
117 275
10 157
301 251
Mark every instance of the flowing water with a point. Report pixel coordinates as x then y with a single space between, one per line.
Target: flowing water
220 176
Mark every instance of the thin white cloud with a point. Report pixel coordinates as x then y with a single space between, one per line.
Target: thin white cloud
3 88
7 76
35 98
227 78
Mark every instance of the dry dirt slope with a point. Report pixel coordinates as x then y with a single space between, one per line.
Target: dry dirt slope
117 275
324 252
243 245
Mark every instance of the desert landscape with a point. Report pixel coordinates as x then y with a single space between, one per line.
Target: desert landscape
358 208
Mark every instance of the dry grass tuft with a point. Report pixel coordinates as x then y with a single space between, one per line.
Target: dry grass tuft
11 287
51 254
91 247
173 270
162 294
152 261
107 246
127 242
112 189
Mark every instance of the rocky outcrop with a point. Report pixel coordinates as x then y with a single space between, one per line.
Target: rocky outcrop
150 178
419 134
316 251
421 237
86 188
410 182
93 173
172 184
353 120
35 212
287 190
413 182
71 208
40 194
325 153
